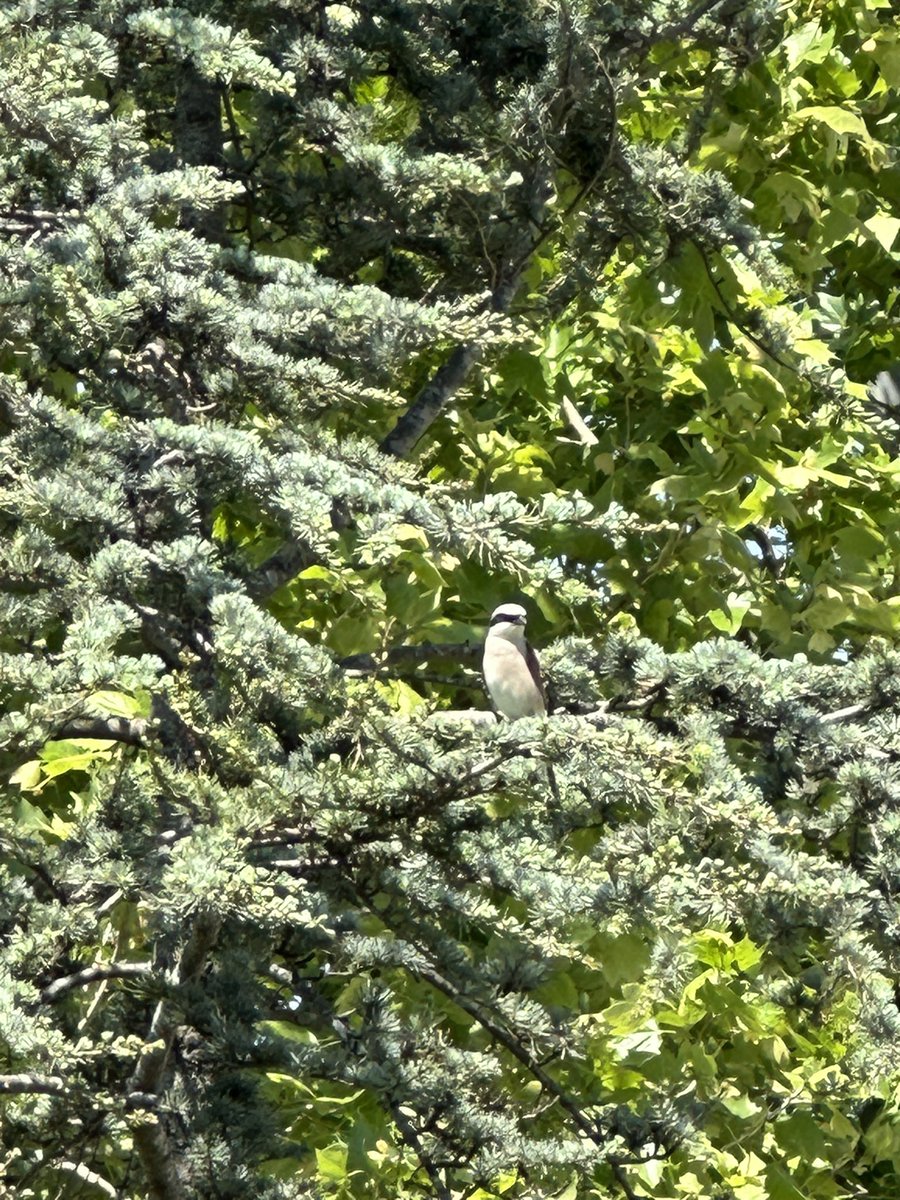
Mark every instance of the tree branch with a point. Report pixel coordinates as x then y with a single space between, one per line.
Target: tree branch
734 316
411 1137
86 1175
114 729
278 570
461 652
41 1085
463 716
32 224
515 1048
124 970
148 1077
697 13
844 714
197 134
429 403
591 1129
449 377
767 551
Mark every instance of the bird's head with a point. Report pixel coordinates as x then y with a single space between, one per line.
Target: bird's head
508 620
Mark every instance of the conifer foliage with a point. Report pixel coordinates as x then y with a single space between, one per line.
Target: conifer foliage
300 374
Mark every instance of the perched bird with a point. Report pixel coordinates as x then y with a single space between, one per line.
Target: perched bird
511 669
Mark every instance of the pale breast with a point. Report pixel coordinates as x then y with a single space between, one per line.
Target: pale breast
509 682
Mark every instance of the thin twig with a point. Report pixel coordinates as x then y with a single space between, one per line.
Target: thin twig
411 1137
734 317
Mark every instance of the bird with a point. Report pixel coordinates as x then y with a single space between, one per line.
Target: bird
511 669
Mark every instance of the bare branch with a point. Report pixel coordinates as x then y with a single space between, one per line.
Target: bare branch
42 1085
124 970
115 729
427 406
86 1175
622 1179
768 556
461 652
844 714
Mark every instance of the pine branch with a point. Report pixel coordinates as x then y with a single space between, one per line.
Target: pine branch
687 24
463 716
450 377
511 1043
591 1129
147 1079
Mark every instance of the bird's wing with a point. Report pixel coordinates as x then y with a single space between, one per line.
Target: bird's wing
534 667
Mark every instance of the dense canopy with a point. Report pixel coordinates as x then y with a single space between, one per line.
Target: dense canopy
324 329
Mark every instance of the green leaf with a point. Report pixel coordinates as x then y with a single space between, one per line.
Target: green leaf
884 228
28 776
740 1106
809 43
841 120
118 704
780 1185
332 1163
